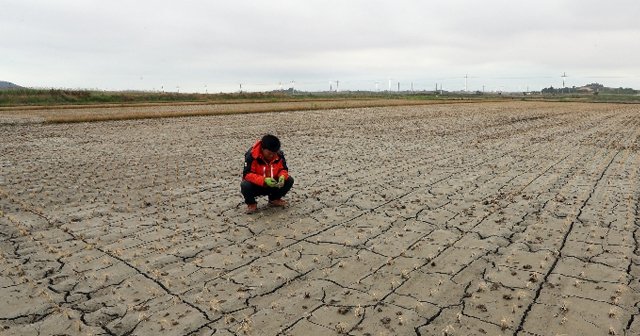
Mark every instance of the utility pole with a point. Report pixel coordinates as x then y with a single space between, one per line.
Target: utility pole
337 85
398 86
465 82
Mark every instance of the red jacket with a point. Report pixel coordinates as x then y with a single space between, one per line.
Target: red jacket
256 167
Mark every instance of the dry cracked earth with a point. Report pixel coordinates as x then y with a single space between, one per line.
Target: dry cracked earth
515 218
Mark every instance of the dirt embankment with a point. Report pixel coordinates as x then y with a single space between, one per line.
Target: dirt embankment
107 112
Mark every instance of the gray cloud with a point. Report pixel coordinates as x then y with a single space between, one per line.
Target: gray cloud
218 44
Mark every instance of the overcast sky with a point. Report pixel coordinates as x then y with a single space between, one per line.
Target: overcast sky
215 45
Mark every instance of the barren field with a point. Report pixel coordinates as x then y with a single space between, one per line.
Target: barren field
110 112
513 218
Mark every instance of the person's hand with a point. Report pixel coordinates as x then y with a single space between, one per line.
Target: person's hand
270 182
281 181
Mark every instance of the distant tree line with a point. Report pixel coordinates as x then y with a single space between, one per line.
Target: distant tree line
593 88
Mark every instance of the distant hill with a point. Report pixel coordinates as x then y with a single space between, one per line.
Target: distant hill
593 88
8 85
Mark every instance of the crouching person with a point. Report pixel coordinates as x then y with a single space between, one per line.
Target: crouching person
265 174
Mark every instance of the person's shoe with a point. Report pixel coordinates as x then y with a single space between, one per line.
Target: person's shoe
278 203
251 208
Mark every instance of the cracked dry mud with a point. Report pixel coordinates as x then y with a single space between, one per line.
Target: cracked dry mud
513 218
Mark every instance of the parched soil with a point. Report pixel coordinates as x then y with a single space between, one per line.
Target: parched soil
513 218
109 112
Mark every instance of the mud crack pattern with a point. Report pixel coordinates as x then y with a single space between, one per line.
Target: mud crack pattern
513 218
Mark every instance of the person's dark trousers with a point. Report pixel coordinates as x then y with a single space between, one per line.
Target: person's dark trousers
250 191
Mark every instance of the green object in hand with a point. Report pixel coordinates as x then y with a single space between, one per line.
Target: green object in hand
281 180
270 182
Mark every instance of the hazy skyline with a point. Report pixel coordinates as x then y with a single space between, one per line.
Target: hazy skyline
213 46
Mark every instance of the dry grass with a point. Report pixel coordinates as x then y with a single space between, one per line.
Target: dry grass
76 113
